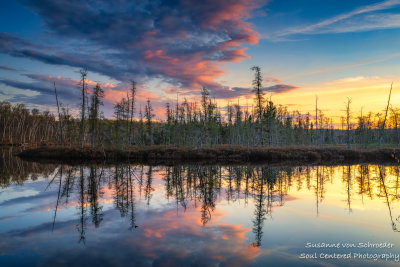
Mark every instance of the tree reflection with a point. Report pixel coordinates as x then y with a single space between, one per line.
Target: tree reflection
149 189
124 199
382 176
96 210
82 207
58 198
198 187
13 170
260 209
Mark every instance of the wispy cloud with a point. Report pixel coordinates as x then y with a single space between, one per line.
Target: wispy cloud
277 89
344 66
42 85
359 19
280 88
7 68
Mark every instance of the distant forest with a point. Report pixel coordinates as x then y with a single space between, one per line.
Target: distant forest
194 123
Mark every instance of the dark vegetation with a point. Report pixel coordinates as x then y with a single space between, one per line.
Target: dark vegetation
195 131
223 154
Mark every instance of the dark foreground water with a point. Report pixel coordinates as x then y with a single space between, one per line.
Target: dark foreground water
134 215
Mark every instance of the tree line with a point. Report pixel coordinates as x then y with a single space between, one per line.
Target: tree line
196 124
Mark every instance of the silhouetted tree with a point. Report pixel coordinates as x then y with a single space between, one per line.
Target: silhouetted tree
83 73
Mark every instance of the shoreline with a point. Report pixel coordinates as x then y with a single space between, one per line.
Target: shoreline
222 154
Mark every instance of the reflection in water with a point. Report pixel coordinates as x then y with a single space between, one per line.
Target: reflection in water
381 176
203 223
15 171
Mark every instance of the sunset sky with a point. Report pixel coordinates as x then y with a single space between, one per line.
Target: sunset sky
333 49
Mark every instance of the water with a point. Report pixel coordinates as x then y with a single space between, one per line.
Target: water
134 215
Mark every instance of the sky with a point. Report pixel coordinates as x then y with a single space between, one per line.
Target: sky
306 48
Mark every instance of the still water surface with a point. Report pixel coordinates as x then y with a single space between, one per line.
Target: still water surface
135 215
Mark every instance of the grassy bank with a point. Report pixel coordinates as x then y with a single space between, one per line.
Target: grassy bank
217 154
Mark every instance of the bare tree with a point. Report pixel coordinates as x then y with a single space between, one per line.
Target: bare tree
381 132
316 120
348 118
132 110
149 115
59 115
83 73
